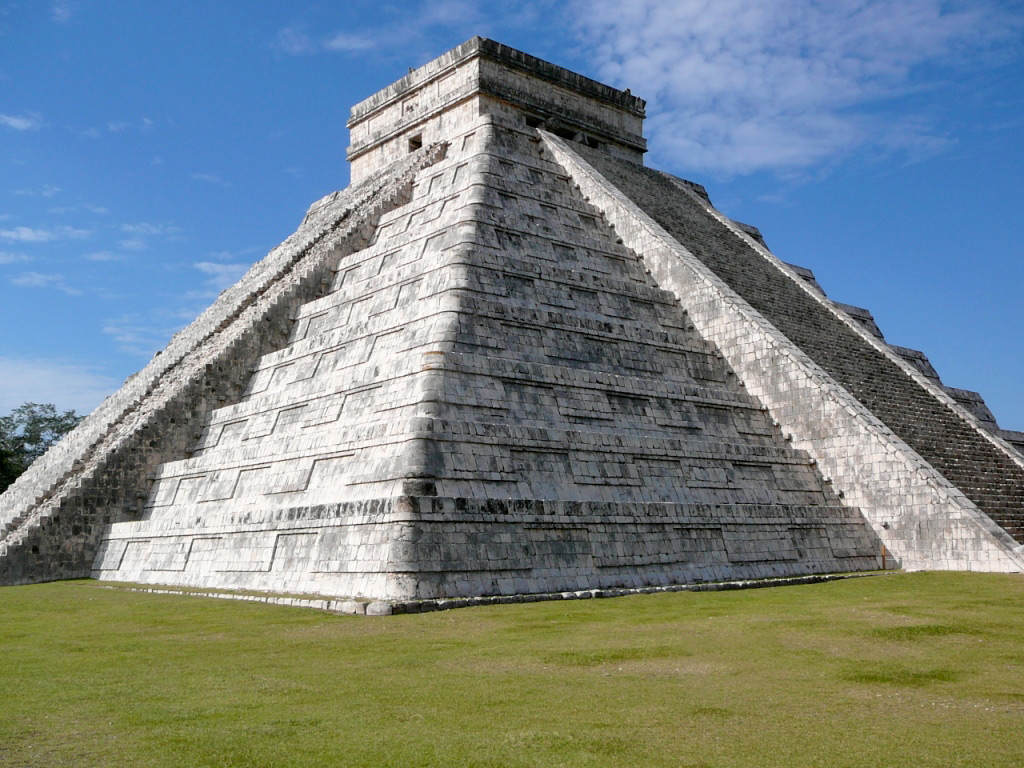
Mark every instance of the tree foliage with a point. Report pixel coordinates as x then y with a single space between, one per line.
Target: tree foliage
10 467
26 434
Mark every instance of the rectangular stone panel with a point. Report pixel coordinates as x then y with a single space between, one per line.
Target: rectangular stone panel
135 556
293 551
659 544
203 553
751 544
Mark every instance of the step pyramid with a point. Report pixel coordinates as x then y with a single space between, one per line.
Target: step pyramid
511 359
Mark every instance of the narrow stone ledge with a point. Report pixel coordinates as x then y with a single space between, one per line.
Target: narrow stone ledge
386 608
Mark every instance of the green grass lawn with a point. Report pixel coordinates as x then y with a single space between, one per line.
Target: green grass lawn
893 670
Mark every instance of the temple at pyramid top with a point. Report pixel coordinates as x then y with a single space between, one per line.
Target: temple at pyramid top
484 77
510 359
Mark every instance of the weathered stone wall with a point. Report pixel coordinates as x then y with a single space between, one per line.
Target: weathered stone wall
466 376
541 417
971 401
407 548
919 514
444 95
55 513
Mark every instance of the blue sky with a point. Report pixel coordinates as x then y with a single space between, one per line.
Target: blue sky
151 151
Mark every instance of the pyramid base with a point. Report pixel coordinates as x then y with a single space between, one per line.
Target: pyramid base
389 608
426 548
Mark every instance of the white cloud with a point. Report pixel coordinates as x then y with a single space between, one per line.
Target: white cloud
221 275
28 235
738 86
41 280
46 190
139 336
294 41
143 125
141 233
915 138
347 42
66 385
148 229
7 257
61 209
28 122
144 334
211 178
447 12
406 26
61 13
105 256
39 235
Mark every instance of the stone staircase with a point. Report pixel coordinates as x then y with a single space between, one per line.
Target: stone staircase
985 471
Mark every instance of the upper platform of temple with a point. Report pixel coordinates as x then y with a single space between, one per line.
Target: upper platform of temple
482 76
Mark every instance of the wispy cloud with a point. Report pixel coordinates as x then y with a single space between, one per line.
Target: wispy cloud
211 178
61 12
738 86
65 384
106 256
41 280
294 41
145 333
142 232
29 121
39 235
221 275
399 27
46 190
347 42
915 138
138 335
28 235
142 125
149 229
62 209
9 257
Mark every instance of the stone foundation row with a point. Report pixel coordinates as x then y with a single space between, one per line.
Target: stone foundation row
386 608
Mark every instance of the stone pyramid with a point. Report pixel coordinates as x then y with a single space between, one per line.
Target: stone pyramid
510 359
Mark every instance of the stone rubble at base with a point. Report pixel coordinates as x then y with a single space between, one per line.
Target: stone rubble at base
510 360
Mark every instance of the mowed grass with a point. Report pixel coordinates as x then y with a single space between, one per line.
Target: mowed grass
892 670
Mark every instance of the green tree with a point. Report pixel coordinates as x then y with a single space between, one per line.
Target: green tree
10 467
27 433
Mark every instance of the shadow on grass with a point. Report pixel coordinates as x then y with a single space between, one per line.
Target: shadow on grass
921 631
893 674
593 658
